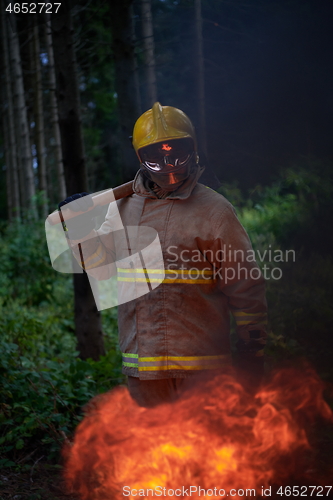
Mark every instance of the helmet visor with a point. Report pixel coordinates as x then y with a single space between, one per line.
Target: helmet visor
167 156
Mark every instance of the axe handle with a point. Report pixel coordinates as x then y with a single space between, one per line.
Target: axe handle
99 200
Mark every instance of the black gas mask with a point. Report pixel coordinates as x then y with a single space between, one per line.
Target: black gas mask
168 163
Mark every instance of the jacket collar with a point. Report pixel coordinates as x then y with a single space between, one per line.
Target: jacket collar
141 186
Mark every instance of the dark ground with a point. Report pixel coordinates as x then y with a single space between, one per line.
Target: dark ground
42 482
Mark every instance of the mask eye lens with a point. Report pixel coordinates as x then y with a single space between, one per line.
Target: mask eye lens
183 160
156 167
168 156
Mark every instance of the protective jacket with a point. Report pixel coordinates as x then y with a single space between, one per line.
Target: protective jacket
183 325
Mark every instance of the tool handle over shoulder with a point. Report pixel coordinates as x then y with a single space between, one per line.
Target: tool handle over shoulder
99 200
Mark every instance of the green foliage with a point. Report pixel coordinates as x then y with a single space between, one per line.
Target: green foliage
42 396
295 212
41 400
41 332
25 271
297 204
43 383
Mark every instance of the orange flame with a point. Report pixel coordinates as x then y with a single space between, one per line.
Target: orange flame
166 147
217 436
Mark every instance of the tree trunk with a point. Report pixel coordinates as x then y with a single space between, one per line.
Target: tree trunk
136 81
28 188
128 105
149 52
54 111
39 118
11 160
6 148
200 77
88 327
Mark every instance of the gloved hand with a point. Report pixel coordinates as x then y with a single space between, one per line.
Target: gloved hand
250 366
80 205
82 224
250 371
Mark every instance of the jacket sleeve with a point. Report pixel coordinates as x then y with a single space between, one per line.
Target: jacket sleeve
95 253
241 280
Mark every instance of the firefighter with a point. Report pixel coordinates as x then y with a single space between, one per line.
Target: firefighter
180 330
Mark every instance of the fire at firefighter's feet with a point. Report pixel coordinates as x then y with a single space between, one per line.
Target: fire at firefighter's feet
214 442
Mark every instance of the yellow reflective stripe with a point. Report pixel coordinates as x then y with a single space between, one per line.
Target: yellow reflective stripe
177 367
97 263
193 282
142 271
166 271
242 313
163 363
248 322
245 318
161 280
182 358
188 271
185 362
140 280
96 254
179 276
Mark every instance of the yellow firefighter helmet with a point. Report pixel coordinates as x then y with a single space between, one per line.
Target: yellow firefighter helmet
162 123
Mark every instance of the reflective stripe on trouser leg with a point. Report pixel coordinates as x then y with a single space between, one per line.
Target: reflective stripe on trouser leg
130 360
164 363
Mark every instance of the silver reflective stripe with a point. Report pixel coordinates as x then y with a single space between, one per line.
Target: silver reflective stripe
191 276
163 363
130 360
181 361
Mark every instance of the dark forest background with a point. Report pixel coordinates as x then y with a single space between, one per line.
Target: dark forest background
267 83
256 79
